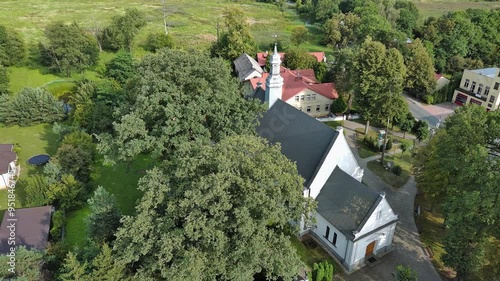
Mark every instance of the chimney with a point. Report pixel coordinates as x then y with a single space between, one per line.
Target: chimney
298 77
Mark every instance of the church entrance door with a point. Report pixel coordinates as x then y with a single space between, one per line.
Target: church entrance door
369 248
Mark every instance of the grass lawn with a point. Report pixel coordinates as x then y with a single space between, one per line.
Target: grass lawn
22 77
122 181
310 253
31 140
76 228
334 124
389 177
432 234
363 149
117 179
190 23
436 8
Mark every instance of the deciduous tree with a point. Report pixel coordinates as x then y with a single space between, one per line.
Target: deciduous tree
236 39
69 49
219 211
296 58
300 35
12 49
121 32
421 79
180 97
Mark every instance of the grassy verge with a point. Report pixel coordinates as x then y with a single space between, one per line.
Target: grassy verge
310 253
430 226
432 233
363 149
389 177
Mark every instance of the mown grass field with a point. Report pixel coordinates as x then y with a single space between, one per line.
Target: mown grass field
191 23
433 8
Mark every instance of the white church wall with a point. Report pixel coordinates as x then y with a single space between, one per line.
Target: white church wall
341 244
383 239
340 154
383 214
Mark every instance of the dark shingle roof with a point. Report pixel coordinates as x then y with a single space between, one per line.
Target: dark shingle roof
345 202
6 157
303 139
245 65
32 228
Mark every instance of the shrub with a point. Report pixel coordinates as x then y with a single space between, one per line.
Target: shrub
156 41
397 170
338 105
58 222
322 272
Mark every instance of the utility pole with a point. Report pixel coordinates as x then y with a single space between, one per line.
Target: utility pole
385 139
164 8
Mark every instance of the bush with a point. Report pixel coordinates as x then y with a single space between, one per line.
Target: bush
156 41
322 272
397 170
338 105
58 222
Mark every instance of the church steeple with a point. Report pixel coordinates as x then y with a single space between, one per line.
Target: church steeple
274 82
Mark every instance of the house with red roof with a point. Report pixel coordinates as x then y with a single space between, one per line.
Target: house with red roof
299 88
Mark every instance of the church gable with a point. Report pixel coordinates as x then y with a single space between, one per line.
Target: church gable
380 216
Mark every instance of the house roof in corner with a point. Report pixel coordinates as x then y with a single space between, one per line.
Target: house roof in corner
346 203
32 228
303 139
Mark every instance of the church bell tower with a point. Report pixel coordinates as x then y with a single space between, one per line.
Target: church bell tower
274 82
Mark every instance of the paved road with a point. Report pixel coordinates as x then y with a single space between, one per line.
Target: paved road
408 248
433 114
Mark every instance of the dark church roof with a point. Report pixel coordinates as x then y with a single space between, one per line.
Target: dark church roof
303 139
31 228
346 203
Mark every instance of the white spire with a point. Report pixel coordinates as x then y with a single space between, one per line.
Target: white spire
274 82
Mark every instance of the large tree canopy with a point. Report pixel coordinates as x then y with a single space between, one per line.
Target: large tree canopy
69 49
121 32
178 97
12 50
421 79
461 169
216 212
380 75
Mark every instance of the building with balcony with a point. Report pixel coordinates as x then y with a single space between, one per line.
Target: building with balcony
479 86
8 168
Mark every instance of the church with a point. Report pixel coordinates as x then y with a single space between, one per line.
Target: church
353 223
300 88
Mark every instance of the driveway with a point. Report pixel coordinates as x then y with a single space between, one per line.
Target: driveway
408 249
433 114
